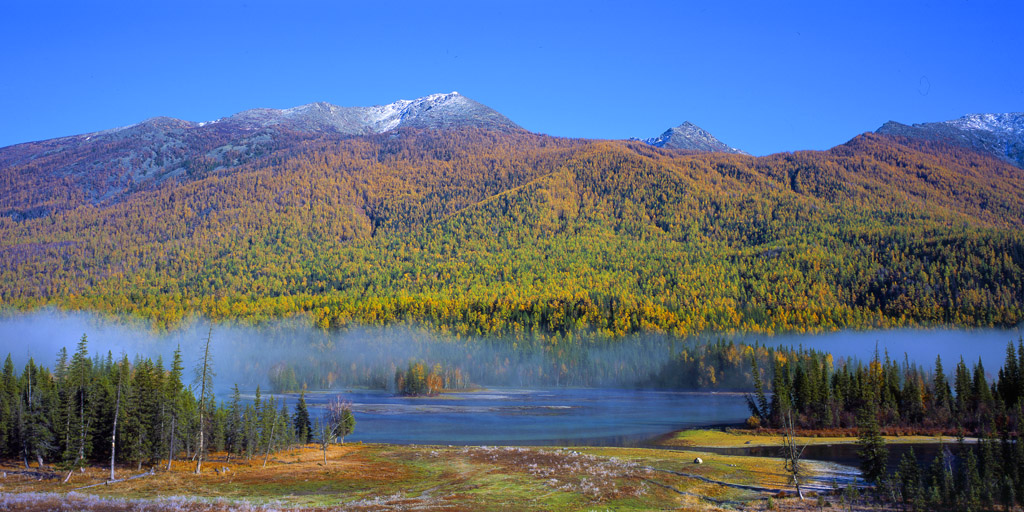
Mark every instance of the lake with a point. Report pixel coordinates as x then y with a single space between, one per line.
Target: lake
532 417
847 454
572 416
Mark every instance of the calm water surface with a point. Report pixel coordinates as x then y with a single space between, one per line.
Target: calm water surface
532 417
846 454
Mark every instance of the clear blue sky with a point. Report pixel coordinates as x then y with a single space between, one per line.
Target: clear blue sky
762 76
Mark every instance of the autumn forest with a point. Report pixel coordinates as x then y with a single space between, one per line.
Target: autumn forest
472 232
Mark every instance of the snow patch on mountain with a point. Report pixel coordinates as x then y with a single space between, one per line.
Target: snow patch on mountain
433 111
690 137
1001 135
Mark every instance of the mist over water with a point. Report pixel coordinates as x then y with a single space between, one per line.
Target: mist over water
249 355
564 393
919 345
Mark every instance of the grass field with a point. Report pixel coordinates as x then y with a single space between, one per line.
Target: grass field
389 477
736 438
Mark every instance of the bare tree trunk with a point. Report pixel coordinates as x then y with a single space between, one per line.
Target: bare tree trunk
113 436
269 443
67 425
24 442
170 455
202 401
81 415
324 442
792 453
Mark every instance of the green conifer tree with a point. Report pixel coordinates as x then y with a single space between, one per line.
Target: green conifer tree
78 404
302 423
873 453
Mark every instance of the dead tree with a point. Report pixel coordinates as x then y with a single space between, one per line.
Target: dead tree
117 411
791 453
270 443
204 372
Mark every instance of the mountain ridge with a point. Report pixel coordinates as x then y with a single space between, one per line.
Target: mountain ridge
433 111
477 232
998 134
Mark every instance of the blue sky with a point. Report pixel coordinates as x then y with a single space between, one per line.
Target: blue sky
762 76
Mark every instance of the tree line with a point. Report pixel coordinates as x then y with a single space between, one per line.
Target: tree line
899 394
902 396
138 412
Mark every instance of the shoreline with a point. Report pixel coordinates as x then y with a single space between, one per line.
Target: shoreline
726 437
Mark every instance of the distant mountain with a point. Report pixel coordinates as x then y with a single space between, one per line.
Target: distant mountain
691 137
451 110
102 166
537 239
1001 135
374 215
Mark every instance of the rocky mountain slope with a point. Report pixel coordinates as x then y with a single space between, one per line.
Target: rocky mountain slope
451 110
1001 135
104 166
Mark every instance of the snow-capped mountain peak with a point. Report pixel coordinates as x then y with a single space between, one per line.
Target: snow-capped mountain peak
433 111
1001 135
1010 123
690 137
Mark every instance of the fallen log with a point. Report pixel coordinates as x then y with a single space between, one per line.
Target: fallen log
108 482
34 474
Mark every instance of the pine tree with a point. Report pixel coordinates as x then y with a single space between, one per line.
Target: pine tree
1017 462
1020 375
218 427
909 478
133 429
287 434
43 406
79 407
348 424
982 395
252 424
173 397
970 491
782 387
962 385
987 470
235 429
942 396
265 423
873 453
1009 376
303 426
9 402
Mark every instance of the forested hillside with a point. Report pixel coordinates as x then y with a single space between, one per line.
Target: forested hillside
481 232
